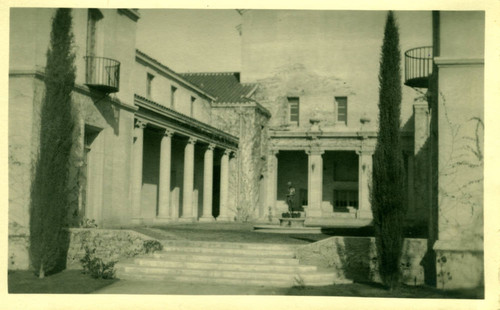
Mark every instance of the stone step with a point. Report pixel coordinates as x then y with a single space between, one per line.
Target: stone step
234 281
131 271
224 259
230 251
205 280
169 263
231 245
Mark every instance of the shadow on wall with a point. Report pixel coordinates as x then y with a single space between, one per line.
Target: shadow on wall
422 175
108 110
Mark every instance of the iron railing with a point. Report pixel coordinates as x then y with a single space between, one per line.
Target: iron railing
102 74
418 66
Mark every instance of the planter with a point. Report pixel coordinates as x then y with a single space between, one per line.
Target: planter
292 222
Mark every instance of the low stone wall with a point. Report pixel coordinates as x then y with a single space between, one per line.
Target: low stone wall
355 258
110 244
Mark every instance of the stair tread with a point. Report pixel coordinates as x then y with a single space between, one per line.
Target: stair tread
277 254
232 245
308 273
239 263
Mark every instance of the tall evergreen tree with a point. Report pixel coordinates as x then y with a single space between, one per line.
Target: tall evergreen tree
50 190
387 195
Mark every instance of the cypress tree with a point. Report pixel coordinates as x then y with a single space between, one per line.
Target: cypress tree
387 195
50 190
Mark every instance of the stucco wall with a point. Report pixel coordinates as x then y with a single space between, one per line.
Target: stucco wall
461 147
355 258
21 111
462 34
30 41
161 92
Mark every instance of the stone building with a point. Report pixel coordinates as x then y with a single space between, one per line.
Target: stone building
317 73
155 146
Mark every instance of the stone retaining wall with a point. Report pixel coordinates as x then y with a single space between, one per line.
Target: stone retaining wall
355 258
110 245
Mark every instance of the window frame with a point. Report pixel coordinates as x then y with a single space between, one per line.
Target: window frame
191 108
149 85
173 91
291 102
338 100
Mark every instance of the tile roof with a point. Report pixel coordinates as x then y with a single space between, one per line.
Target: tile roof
225 86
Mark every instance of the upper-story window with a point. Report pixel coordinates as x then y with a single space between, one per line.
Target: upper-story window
293 109
149 85
94 33
341 103
191 110
173 91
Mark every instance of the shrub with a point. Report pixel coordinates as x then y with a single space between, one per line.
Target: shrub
88 223
151 246
96 267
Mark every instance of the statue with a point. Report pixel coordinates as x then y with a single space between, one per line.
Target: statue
290 197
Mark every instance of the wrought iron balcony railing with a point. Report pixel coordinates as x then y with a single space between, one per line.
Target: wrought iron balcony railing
102 74
418 66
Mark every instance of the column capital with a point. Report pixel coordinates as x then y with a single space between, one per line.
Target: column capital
210 147
192 140
315 152
273 151
141 124
227 152
168 132
365 152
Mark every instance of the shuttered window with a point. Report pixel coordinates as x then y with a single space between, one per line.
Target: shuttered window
341 109
293 104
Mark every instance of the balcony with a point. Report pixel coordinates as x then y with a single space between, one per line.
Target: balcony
102 74
418 66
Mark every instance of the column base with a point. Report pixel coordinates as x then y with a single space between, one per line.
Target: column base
163 220
265 220
364 214
208 219
187 220
314 213
223 219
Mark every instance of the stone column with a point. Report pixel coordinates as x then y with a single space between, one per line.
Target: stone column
164 183
272 185
137 162
315 183
207 184
187 193
364 181
224 187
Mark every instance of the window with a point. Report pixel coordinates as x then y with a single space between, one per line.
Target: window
193 99
173 89
341 109
344 199
149 84
94 32
293 105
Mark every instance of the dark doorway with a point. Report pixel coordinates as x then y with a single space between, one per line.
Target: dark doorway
216 191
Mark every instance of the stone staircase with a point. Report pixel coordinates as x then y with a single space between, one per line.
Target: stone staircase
226 263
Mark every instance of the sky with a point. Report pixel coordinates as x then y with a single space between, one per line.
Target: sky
191 40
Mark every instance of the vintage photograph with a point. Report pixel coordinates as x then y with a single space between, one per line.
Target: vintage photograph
270 152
